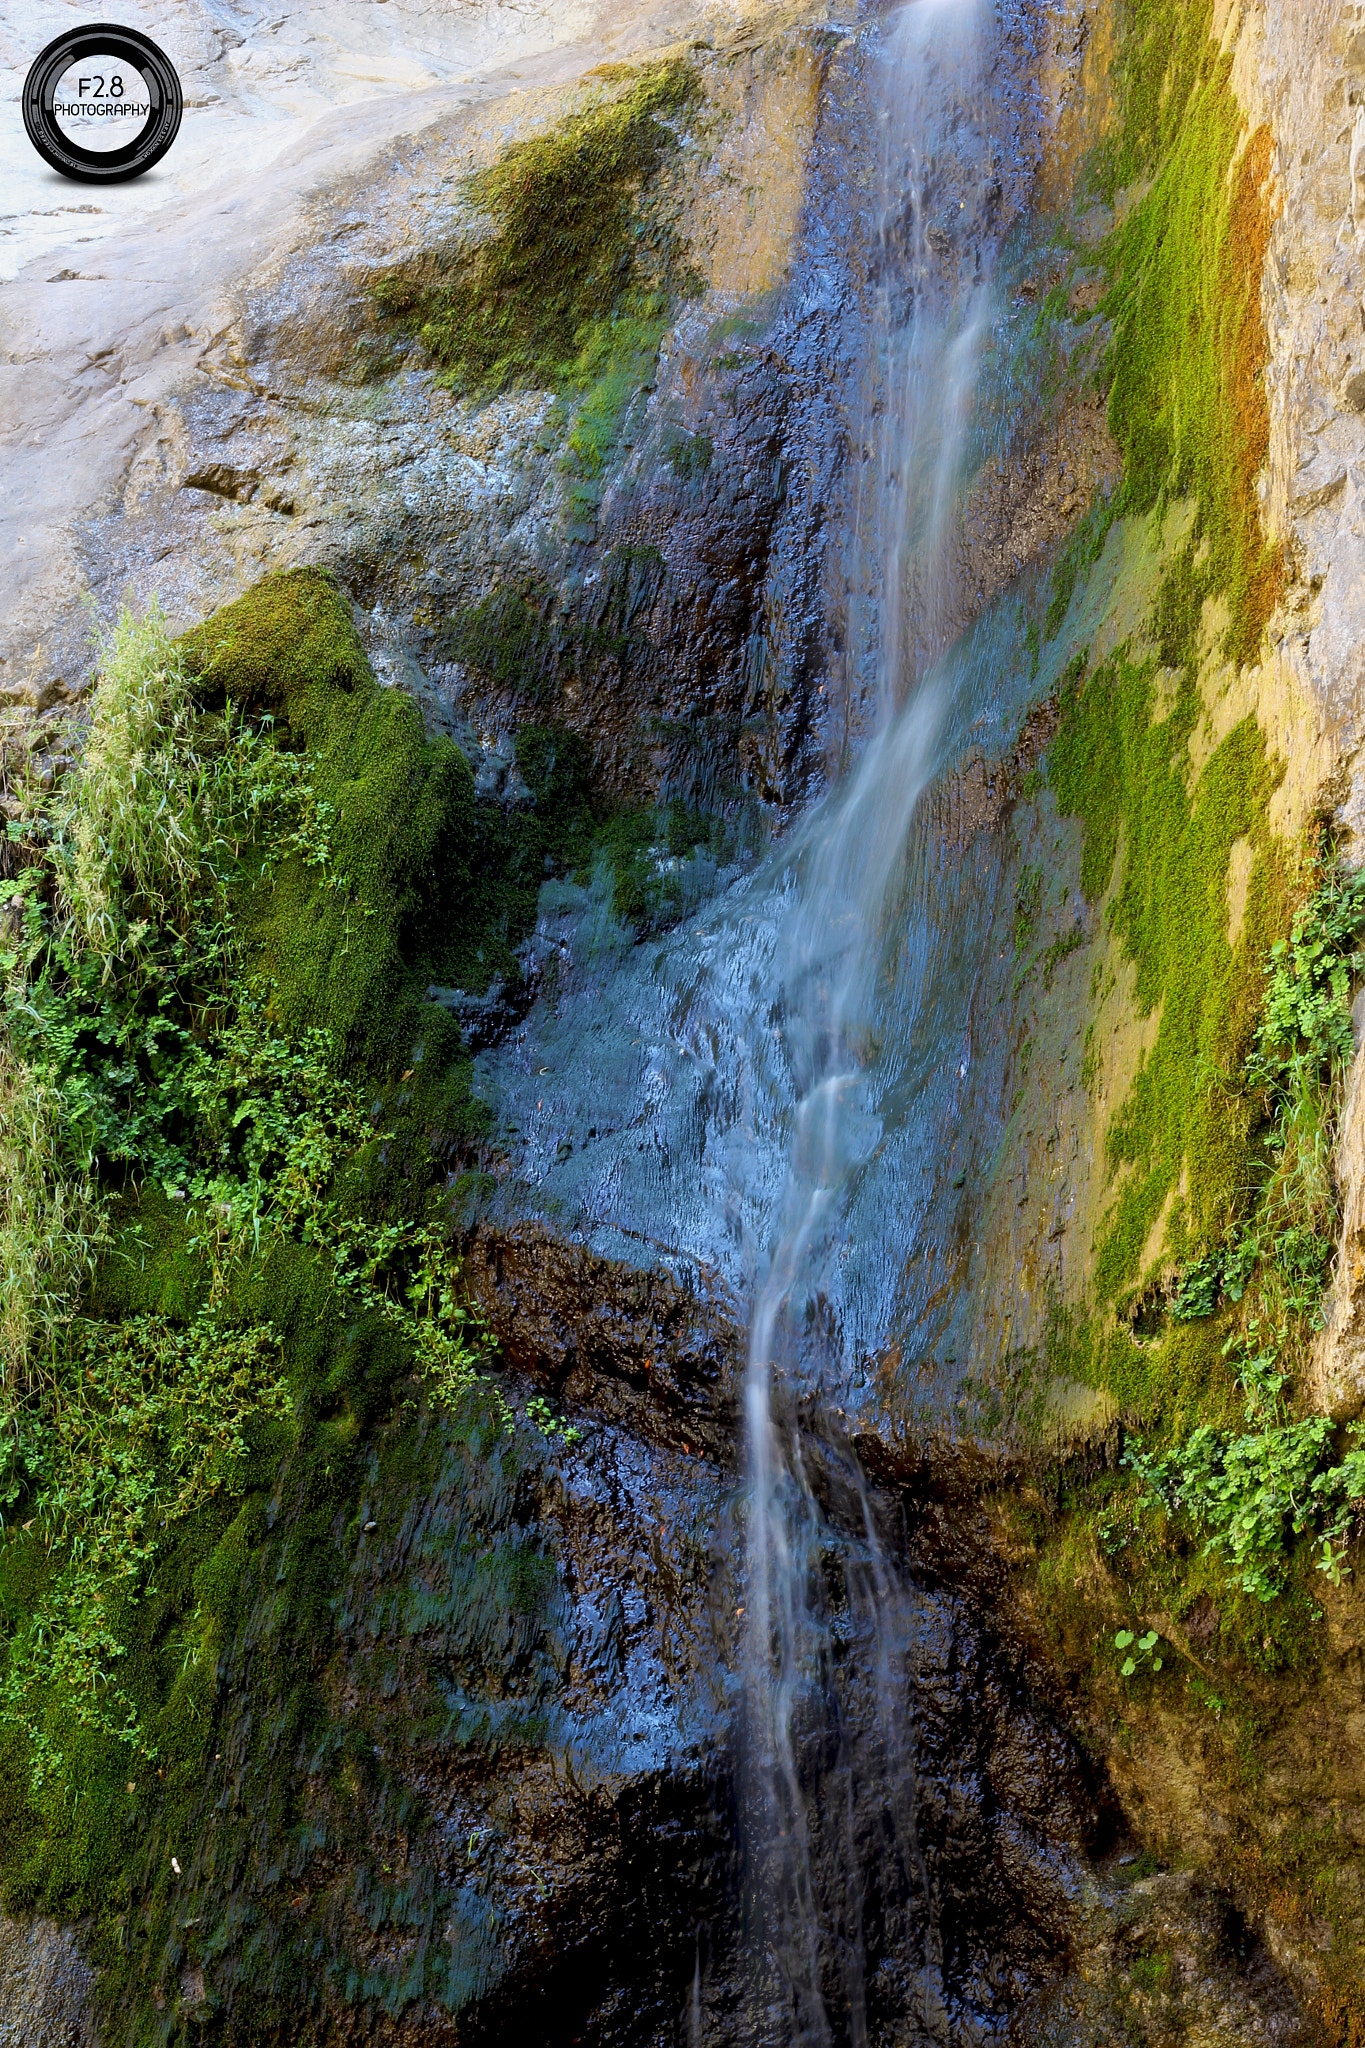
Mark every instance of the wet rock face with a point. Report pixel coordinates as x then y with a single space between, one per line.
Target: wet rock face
642 1347
46 1986
481 1771
674 612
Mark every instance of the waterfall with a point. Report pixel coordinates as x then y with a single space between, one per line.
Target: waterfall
807 1886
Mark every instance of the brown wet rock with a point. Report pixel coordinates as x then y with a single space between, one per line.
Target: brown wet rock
636 1345
976 796
1025 504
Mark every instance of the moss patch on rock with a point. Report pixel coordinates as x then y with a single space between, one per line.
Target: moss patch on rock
1121 763
573 285
1187 400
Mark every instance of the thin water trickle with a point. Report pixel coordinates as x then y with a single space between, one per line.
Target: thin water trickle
806 1912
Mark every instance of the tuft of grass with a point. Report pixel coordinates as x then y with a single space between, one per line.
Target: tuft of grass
129 825
49 1230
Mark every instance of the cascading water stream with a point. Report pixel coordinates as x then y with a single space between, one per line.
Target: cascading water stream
763 1100
850 861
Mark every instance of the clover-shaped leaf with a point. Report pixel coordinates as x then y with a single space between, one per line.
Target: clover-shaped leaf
1128 1668
1123 1639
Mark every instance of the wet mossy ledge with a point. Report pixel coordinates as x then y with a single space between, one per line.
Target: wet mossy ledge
238 1140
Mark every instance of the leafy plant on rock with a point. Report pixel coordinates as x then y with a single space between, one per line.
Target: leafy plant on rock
1140 1650
1252 1494
148 1090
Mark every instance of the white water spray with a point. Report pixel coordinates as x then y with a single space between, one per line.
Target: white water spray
849 860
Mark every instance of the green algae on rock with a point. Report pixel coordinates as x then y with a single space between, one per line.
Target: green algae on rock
1184 369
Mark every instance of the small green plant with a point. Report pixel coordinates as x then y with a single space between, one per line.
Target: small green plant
1151 1973
405 1272
1251 1494
1222 1273
1141 1650
542 1417
1304 1041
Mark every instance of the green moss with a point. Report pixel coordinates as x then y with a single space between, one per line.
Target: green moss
1187 401
571 287
1080 553
1121 763
522 641
1028 899
689 456
507 637
348 948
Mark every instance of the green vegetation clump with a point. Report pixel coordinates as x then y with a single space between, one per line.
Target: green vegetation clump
162 1046
573 287
1252 1493
1249 1304
689 456
231 1120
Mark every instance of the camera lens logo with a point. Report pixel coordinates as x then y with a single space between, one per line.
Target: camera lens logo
102 104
